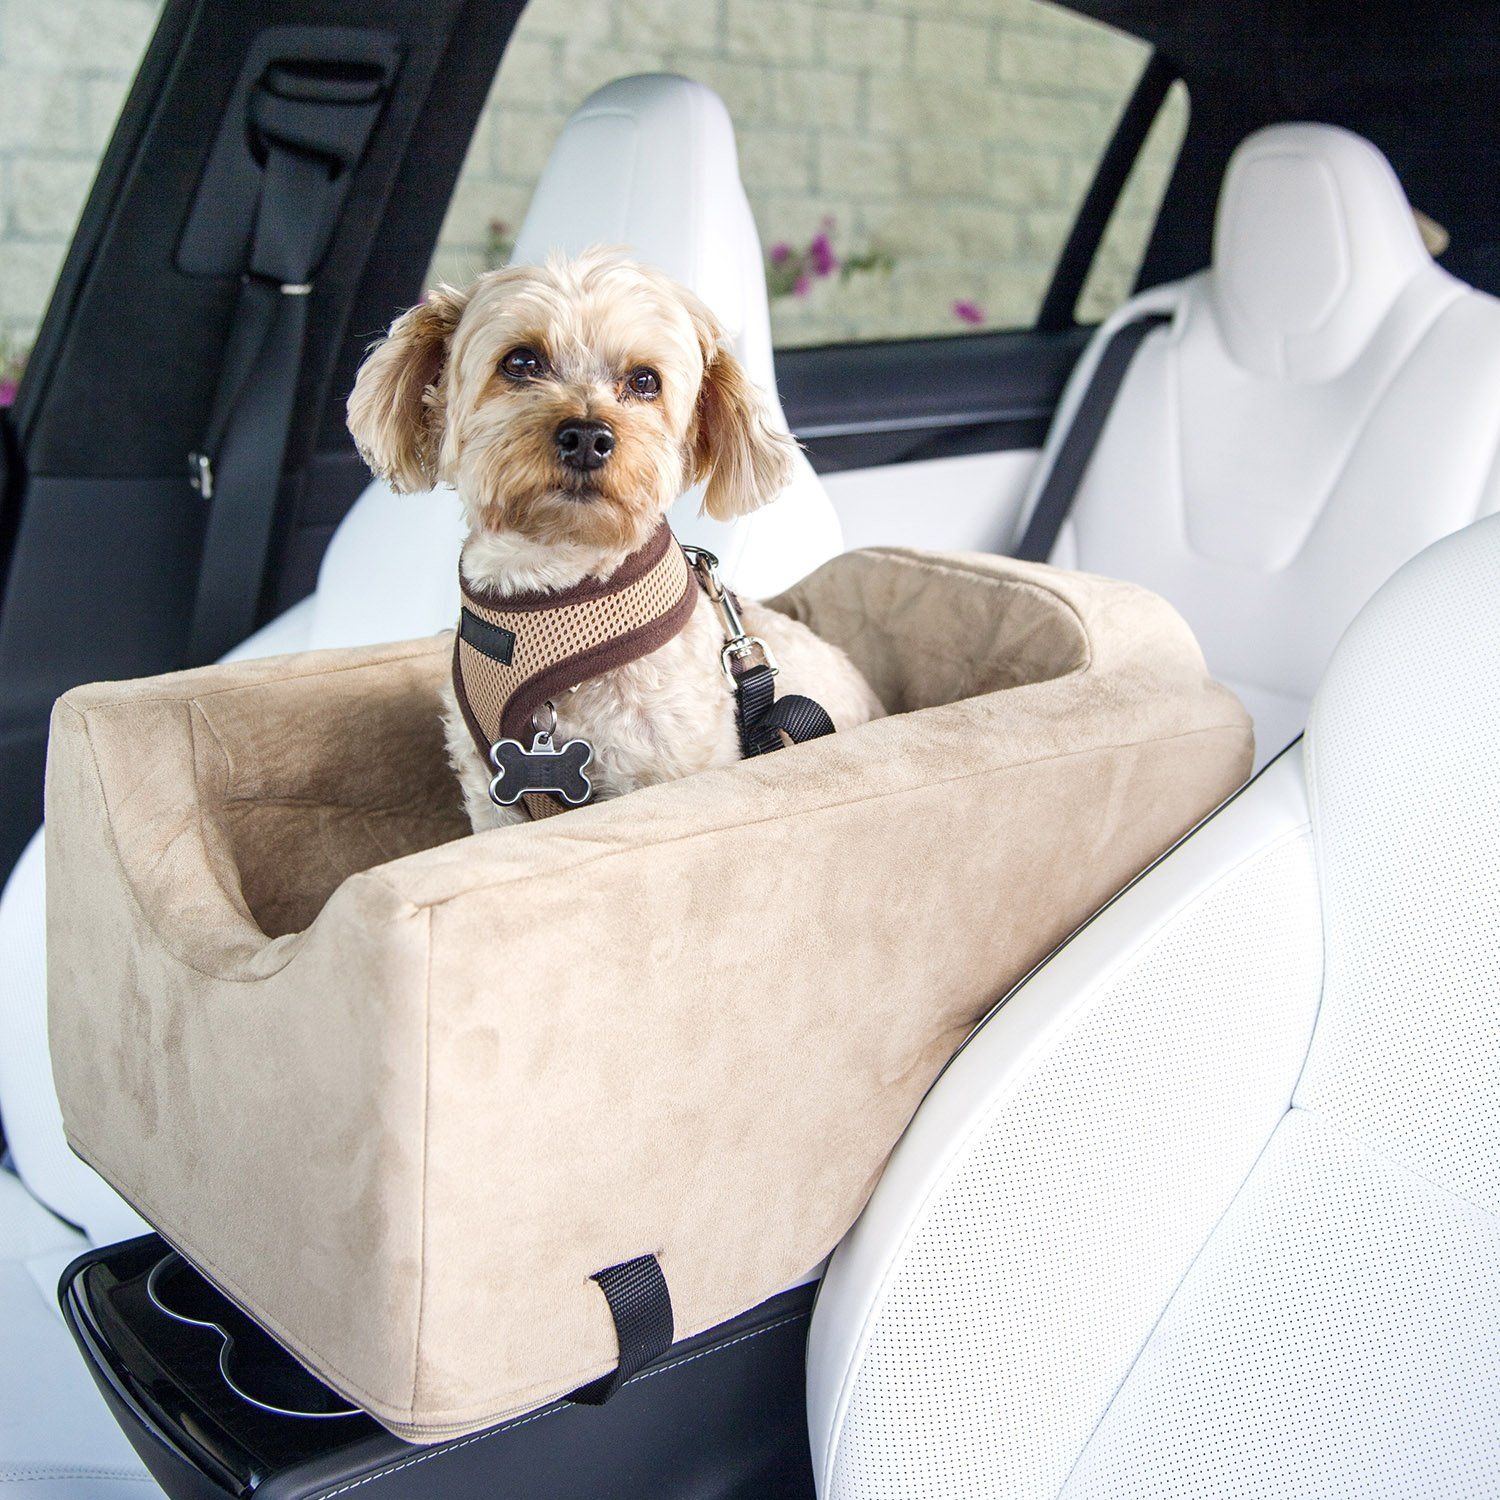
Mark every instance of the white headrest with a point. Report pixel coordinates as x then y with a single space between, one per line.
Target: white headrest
1314 242
650 163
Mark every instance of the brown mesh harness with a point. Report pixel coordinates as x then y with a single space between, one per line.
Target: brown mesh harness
514 653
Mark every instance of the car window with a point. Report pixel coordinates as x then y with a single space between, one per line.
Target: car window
1112 275
65 66
914 169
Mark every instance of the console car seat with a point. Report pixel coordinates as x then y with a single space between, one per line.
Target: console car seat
658 155
1208 1206
1324 403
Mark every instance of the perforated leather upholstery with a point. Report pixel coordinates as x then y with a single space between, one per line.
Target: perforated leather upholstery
1325 403
1208 1207
57 1438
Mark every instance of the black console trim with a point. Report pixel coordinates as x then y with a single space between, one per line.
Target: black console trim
685 1427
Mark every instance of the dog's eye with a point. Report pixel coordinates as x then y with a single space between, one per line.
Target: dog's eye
522 363
643 382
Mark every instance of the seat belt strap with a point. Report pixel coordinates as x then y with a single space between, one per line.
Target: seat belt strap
309 126
237 468
1077 447
641 1307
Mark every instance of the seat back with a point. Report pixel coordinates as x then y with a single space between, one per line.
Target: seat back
1325 403
1404 784
1208 1205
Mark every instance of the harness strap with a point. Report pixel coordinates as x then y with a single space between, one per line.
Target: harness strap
512 653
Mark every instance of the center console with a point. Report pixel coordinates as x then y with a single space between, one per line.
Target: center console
217 1408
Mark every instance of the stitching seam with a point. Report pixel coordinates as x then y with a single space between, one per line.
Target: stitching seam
552 1411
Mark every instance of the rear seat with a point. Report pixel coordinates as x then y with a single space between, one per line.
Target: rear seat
1324 403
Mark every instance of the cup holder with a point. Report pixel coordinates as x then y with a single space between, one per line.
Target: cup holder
253 1365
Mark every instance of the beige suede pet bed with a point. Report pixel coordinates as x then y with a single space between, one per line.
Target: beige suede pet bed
401 1091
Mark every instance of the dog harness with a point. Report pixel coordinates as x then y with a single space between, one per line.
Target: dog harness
514 654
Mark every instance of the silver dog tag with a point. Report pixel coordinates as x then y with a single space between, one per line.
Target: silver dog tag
545 767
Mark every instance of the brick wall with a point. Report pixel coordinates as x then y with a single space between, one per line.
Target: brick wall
949 141
954 139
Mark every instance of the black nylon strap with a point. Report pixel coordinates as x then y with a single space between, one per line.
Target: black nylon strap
245 442
641 1306
767 722
1082 437
792 718
755 691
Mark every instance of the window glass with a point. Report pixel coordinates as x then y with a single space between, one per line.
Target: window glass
1112 276
65 66
914 166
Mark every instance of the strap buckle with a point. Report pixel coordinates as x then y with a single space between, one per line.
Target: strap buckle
201 474
740 648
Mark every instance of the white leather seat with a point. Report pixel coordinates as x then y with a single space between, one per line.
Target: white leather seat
657 156
1325 403
1208 1206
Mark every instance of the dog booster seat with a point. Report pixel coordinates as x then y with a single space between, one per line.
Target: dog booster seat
401 1091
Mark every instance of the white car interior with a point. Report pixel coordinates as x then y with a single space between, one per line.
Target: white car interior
1207 1206
1240 1127
1323 404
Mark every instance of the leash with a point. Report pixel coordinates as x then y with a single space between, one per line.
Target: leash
750 669
515 654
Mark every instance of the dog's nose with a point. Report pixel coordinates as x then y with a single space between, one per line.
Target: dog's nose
585 445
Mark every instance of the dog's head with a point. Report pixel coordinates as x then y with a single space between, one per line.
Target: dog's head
571 402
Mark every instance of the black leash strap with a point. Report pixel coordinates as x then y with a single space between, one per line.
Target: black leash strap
641 1306
1082 437
767 722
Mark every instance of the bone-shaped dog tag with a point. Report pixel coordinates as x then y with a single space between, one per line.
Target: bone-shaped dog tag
543 768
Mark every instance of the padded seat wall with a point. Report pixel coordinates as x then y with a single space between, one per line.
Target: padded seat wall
399 1092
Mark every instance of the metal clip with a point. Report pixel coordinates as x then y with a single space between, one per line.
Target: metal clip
201 474
739 647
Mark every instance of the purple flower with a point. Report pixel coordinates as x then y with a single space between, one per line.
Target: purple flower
780 253
801 286
820 252
7 392
968 312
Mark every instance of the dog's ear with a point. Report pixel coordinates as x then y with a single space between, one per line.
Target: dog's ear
396 406
736 443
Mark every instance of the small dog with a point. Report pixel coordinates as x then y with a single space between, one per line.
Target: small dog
569 405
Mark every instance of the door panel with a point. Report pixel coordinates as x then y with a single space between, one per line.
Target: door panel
855 406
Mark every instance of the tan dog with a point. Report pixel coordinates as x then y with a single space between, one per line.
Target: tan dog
570 405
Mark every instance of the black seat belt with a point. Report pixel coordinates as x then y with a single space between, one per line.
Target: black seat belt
313 129
1082 436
